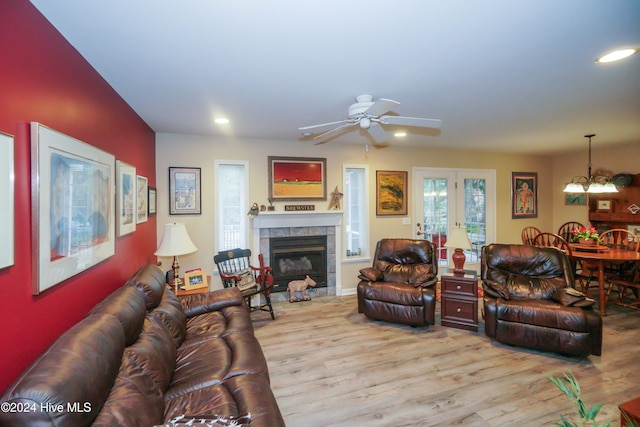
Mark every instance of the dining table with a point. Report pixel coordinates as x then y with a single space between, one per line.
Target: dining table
601 255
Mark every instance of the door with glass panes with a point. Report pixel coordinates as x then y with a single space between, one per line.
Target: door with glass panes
445 198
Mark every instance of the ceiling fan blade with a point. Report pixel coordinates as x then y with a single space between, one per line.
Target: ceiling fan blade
411 121
323 125
381 106
329 133
377 133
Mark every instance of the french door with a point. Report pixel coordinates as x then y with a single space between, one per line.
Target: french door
445 198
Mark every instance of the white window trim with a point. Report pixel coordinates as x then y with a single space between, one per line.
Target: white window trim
243 202
365 256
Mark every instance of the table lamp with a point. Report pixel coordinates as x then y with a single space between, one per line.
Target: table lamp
175 242
459 240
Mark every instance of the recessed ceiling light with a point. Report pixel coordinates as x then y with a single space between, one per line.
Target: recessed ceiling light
400 134
221 121
307 133
616 55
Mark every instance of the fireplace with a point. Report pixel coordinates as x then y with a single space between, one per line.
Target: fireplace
294 225
294 257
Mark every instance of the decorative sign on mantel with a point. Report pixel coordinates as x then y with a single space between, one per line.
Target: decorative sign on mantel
299 208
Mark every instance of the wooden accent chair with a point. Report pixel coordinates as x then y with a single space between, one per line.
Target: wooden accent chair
236 270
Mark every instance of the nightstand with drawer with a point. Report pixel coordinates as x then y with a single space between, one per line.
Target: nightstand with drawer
459 300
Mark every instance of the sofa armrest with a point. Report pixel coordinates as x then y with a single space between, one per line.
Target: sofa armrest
194 305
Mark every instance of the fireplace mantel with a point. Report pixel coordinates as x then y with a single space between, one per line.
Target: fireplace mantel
298 219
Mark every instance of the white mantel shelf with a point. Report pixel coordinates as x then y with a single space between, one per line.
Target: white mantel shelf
298 219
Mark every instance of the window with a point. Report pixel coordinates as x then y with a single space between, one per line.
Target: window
356 208
231 183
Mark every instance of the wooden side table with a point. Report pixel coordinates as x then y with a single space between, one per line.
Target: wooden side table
459 300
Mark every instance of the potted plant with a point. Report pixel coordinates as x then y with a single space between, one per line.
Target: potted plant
585 236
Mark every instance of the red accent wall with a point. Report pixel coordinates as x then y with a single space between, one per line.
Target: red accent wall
44 79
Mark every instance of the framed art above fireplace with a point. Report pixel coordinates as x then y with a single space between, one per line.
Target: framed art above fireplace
297 178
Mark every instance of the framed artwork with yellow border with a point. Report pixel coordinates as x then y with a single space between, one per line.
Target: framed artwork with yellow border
391 192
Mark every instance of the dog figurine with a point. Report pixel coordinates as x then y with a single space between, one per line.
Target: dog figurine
300 286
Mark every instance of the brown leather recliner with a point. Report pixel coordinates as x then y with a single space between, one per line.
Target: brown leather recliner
530 301
400 286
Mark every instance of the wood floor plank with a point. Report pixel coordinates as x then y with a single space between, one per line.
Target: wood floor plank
330 366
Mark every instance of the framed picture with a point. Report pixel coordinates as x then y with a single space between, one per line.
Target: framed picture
7 197
126 198
184 191
297 178
72 205
524 195
195 279
391 192
153 205
603 205
575 199
142 214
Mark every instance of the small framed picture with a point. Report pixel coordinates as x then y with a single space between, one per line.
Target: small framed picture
524 195
142 213
195 279
152 201
575 199
184 191
603 205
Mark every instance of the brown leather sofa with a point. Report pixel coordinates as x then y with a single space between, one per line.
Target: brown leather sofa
143 357
530 301
401 285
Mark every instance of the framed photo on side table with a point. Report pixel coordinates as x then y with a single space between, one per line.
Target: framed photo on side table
195 279
524 195
184 191
391 192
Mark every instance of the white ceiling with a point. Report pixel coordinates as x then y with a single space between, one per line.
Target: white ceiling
500 74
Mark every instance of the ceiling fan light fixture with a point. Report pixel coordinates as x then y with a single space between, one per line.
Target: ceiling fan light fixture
616 55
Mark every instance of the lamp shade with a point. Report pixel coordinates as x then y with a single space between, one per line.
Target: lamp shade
175 241
458 238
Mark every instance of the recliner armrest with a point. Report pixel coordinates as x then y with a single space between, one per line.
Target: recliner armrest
371 274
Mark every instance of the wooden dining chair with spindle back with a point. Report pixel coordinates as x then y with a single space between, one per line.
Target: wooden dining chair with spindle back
566 229
529 233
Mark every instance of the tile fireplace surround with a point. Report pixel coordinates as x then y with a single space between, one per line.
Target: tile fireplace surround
304 223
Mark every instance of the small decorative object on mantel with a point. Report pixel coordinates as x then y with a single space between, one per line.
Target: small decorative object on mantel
300 286
271 208
254 211
290 208
336 197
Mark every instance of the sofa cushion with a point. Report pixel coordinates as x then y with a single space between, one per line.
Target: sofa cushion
170 312
395 293
545 313
128 305
135 399
151 282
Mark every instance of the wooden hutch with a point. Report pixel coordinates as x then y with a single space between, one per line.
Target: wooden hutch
616 210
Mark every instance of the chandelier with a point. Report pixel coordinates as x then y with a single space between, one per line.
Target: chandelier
590 183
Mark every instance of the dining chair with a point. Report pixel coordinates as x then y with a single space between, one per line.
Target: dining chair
529 233
619 238
552 239
628 290
235 269
566 229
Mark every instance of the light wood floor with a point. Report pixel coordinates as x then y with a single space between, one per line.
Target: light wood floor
330 366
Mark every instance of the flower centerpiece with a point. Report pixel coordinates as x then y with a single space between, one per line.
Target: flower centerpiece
585 235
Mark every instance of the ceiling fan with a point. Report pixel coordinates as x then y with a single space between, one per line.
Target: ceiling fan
369 115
